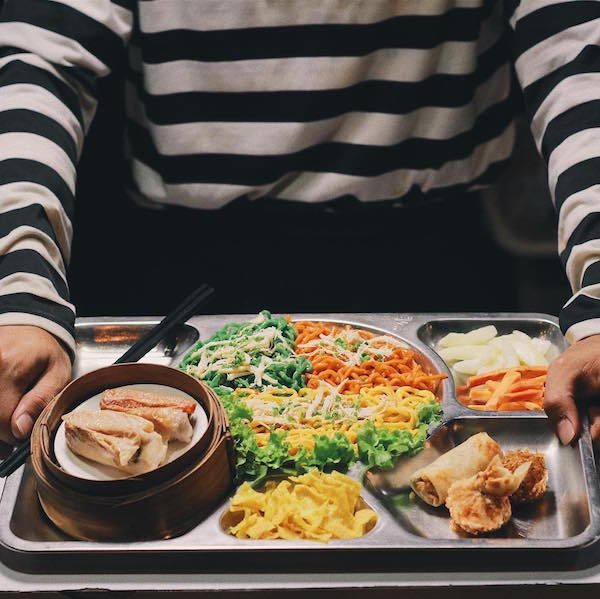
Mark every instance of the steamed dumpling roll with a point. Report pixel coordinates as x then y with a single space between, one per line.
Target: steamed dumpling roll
431 483
124 441
171 415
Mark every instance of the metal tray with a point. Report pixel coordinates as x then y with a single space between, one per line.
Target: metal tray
552 534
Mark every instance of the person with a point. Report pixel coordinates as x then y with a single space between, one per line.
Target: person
289 103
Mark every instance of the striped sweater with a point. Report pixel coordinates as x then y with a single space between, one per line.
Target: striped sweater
305 100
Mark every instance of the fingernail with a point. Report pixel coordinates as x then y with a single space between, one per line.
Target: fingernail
566 432
24 424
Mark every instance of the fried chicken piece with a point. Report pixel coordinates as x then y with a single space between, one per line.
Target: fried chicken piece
481 504
534 483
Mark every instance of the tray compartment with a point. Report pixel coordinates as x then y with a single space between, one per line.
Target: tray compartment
429 360
431 331
100 344
563 513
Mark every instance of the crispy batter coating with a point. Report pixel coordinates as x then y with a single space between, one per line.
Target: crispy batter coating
534 483
476 512
480 504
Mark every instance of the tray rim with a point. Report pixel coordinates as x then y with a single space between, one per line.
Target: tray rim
409 322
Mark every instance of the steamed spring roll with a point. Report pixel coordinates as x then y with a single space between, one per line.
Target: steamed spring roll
124 441
431 483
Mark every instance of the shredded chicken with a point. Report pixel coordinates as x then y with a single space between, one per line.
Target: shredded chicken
481 504
533 485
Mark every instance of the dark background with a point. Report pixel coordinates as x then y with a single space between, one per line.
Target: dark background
494 253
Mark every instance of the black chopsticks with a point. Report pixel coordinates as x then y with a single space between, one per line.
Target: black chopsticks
186 309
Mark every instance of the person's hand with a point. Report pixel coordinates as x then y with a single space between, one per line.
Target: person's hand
34 367
574 375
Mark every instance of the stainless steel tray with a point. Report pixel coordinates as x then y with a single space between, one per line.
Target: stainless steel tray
553 533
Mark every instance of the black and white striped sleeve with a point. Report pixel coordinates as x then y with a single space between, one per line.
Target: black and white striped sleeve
557 59
51 52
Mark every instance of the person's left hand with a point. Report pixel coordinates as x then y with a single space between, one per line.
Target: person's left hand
574 375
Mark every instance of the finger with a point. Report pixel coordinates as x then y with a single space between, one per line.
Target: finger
34 401
559 399
594 412
9 399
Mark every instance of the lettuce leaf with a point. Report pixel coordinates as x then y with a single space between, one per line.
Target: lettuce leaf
382 446
254 462
378 447
236 407
429 412
330 453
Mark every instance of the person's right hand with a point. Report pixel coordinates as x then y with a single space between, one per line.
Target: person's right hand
34 367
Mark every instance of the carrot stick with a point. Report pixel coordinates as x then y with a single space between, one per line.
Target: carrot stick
512 406
509 378
525 395
526 372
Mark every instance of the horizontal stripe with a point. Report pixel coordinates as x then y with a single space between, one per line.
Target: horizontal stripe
110 14
353 127
580 257
481 168
517 9
127 4
18 72
575 179
587 61
38 306
98 45
551 20
587 230
78 79
312 40
17 170
66 335
307 73
577 148
32 216
26 282
574 90
161 15
573 210
6 52
30 262
27 121
591 274
582 307
22 194
59 50
352 159
301 106
456 176
581 330
34 99
548 56
29 238
580 117
34 147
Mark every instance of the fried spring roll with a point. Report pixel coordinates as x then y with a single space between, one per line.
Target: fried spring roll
431 483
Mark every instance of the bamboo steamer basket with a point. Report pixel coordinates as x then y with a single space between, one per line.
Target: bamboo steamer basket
163 503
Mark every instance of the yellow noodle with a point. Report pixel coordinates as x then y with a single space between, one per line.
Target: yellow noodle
289 410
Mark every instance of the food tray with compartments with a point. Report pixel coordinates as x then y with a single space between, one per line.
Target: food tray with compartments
558 532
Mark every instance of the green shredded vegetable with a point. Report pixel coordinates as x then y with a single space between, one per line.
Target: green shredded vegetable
250 354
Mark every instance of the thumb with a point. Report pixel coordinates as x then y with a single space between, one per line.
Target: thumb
33 402
559 399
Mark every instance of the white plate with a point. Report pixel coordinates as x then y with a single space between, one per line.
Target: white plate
84 468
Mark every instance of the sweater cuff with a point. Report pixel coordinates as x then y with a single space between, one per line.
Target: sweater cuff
65 336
